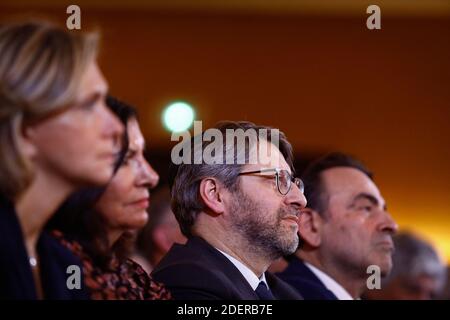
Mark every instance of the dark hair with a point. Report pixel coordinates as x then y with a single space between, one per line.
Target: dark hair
311 177
124 112
185 179
77 219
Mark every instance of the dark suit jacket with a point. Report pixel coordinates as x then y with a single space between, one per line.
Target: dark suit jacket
197 270
16 278
298 275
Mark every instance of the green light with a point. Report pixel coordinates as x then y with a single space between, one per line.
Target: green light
178 116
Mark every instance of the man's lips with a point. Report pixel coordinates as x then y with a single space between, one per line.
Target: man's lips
292 218
387 245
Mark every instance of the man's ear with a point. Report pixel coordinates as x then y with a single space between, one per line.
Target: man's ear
211 194
310 227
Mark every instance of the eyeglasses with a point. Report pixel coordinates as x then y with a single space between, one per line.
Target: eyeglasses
283 179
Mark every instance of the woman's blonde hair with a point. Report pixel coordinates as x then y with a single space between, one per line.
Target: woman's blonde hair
40 70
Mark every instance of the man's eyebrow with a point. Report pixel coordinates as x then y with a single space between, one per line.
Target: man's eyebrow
369 197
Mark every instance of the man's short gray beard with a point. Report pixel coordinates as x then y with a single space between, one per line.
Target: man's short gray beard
260 237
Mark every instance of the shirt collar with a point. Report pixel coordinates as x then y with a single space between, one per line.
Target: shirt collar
248 274
330 283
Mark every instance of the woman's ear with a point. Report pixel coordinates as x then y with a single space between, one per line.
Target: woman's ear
310 227
210 192
26 136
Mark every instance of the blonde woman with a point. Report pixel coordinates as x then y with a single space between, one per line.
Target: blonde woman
56 135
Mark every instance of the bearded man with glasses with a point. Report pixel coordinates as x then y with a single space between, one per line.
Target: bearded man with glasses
238 219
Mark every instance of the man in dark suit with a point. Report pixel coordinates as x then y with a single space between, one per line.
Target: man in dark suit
197 270
239 216
301 277
344 230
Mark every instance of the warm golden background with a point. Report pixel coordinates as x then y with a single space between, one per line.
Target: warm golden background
311 68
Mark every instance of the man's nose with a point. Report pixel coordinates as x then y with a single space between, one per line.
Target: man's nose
295 197
388 224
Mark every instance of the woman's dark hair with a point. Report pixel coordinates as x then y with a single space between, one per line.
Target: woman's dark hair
77 219
124 112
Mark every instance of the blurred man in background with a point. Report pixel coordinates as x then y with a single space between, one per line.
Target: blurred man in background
418 272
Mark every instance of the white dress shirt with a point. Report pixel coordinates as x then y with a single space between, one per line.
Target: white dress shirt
248 274
330 283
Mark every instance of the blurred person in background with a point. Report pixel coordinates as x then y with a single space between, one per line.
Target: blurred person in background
56 136
445 293
99 225
160 233
344 229
418 272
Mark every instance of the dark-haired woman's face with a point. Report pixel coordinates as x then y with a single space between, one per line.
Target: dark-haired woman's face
124 203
